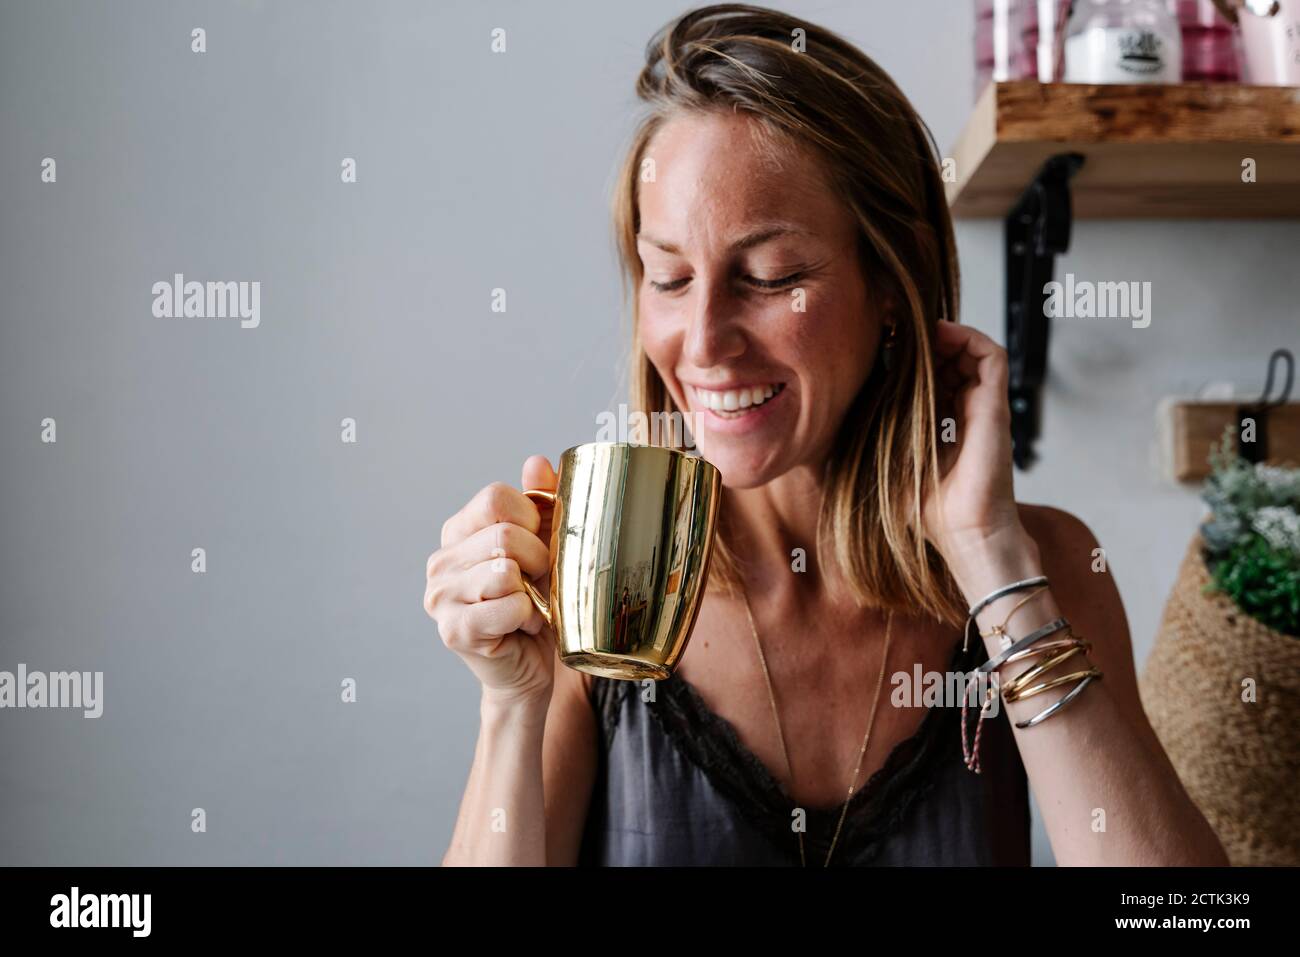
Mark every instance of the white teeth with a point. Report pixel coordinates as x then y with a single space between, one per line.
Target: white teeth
736 401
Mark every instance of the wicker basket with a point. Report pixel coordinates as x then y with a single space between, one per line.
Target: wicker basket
1239 760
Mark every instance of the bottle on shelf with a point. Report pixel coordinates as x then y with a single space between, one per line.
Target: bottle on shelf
1123 41
1210 43
1018 40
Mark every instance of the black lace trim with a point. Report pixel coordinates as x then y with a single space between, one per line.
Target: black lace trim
877 810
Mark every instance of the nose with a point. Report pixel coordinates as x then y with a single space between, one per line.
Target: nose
714 333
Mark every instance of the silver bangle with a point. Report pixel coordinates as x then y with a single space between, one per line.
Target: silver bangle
990 598
1048 712
1053 626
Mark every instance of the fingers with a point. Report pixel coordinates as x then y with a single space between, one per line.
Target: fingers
493 504
972 373
478 628
949 377
952 338
495 543
475 581
487 580
480 599
966 357
539 474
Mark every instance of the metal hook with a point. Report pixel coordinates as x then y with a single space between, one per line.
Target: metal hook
1285 355
1252 420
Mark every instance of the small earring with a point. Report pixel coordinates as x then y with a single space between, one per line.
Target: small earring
889 348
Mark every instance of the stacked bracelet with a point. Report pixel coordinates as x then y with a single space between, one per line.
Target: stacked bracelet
1013 690
1047 646
1054 652
990 598
1055 683
971 752
1053 626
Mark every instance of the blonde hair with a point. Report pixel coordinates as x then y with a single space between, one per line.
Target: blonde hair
880 156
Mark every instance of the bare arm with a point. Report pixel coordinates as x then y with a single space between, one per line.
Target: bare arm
568 766
530 784
530 781
1105 787
502 816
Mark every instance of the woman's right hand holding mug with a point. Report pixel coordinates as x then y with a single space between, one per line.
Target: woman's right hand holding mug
475 589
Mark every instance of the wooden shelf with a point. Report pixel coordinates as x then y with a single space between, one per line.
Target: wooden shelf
1151 151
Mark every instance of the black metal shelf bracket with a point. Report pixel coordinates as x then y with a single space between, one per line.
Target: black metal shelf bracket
1035 231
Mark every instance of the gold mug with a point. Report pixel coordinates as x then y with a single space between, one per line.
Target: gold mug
631 537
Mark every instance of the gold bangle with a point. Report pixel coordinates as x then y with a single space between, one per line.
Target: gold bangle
1072 642
1012 687
1055 683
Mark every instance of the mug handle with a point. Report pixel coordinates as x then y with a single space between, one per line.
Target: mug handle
539 494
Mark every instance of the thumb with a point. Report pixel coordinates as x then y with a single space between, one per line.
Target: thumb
539 474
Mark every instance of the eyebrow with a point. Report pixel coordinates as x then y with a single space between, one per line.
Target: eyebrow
756 238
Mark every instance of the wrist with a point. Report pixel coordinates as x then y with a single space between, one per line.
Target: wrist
513 711
984 562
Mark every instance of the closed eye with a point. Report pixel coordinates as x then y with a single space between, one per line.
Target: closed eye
669 286
753 281
774 283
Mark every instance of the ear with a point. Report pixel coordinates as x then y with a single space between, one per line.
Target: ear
888 317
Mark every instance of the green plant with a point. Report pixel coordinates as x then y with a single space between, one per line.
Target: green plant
1252 537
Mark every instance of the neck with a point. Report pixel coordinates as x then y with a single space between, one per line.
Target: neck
768 523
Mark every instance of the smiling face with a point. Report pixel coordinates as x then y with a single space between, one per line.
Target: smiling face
734 238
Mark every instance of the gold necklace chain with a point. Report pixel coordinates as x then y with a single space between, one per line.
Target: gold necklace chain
771 697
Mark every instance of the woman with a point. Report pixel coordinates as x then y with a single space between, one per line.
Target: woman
783 226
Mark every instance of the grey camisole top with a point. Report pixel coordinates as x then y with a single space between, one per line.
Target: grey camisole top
676 787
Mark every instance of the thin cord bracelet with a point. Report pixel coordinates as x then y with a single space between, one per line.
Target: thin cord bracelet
970 752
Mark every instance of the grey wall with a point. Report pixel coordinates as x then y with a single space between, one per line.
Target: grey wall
475 171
